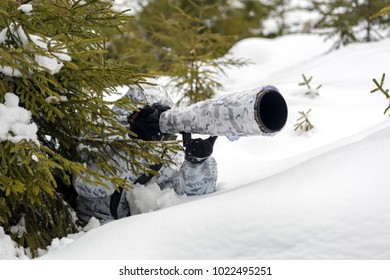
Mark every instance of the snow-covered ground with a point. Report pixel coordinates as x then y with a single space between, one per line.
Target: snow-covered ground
324 194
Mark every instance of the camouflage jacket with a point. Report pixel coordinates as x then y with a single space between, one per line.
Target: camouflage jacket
185 179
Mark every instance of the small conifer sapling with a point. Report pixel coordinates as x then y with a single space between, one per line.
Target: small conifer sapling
379 87
312 92
303 122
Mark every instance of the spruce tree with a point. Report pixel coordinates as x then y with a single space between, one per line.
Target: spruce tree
186 40
384 11
242 19
380 88
349 21
54 65
195 56
303 123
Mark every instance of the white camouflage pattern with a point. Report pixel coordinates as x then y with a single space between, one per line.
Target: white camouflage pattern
147 95
184 178
229 115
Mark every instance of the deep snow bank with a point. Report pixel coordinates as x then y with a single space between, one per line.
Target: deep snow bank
333 206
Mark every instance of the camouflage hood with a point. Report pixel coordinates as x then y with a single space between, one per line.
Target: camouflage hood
145 95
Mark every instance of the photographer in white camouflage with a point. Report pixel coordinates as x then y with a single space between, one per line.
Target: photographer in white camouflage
196 175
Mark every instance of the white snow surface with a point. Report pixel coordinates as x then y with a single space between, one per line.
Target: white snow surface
324 194
52 61
16 122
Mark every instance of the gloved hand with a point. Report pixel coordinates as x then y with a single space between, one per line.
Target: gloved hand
146 123
198 150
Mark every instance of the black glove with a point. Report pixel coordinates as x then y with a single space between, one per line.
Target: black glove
198 150
146 123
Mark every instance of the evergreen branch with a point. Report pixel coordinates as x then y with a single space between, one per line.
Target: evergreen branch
380 87
4 13
306 82
22 2
382 12
387 109
304 123
30 175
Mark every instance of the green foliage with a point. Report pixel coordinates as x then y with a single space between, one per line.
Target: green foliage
380 87
310 91
349 21
303 123
74 120
240 19
28 190
195 60
382 12
188 40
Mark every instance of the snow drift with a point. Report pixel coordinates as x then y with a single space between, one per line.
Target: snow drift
318 195
333 206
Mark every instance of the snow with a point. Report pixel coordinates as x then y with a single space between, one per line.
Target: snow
317 195
51 61
16 121
9 249
144 200
26 8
